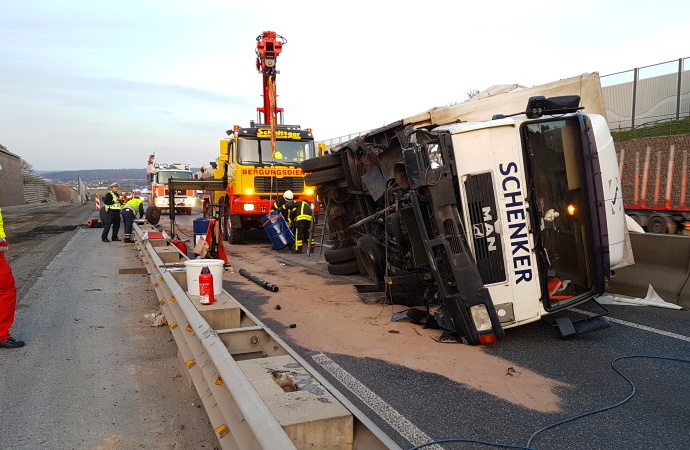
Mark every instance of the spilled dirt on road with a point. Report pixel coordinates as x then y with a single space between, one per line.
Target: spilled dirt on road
329 317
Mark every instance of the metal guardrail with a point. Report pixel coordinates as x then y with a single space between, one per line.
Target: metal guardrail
236 409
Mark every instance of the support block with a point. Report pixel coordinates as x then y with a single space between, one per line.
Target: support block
308 413
168 254
224 313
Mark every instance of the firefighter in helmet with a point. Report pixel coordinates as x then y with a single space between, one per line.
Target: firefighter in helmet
279 204
301 216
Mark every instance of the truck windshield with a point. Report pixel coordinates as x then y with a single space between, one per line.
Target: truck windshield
554 152
288 153
164 176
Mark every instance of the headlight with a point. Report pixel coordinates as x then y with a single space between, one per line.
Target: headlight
249 191
480 317
433 153
248 206
309 191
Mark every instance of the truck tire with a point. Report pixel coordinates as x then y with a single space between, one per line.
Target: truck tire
339 255
661 225
324 176
235 235
322 162
344 268
153 215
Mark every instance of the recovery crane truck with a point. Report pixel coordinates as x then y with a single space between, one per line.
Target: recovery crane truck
480 225
261 161
161 196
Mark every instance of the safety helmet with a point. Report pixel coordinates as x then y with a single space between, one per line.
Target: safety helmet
288 195
114 184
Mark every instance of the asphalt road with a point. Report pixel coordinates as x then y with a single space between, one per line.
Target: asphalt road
94 373
649 346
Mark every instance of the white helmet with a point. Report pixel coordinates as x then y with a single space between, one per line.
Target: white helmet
288 195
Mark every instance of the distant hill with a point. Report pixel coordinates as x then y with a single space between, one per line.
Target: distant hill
98 176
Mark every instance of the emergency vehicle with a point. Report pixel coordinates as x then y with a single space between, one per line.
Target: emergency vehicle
158 176
260 162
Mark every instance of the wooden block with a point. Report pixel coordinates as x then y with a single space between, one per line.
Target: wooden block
169 254
308 413
133 270
223 314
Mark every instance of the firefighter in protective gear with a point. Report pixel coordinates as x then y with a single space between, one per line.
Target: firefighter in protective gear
300 213
129 212
113 205
8 295
279 204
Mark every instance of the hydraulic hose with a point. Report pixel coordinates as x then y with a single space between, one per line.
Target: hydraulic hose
264 284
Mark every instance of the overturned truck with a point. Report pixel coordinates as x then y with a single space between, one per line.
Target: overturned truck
479 225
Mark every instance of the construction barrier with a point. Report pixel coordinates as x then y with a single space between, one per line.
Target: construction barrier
247 378
98 201
661 260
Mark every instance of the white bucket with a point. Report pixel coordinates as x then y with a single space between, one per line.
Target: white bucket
194 267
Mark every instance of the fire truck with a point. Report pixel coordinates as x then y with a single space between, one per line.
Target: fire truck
260 162
158 176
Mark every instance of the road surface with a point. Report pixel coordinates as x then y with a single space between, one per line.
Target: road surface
94 373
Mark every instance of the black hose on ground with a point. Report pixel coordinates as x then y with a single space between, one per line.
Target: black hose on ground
264 284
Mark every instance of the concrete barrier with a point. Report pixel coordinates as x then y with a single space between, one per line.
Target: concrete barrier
661 260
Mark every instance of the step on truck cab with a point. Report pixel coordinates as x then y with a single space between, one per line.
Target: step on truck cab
486 225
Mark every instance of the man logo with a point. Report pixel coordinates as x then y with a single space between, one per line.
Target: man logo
486 230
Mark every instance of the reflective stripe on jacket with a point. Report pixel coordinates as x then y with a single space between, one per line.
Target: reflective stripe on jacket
304 215
134 205
112 201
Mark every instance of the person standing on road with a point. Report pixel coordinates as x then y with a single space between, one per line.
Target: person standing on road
8 296
113 205
129 211
301 217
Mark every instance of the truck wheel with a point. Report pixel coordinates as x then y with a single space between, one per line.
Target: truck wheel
153 215
322 162
661 225
344 268
235 235
187 211
339 255
324 176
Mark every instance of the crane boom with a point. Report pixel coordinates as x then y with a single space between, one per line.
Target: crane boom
269 44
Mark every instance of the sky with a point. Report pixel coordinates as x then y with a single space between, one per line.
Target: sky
103 84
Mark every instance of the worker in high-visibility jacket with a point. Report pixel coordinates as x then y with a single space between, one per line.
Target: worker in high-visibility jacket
8 295
300 213
113 205
129 212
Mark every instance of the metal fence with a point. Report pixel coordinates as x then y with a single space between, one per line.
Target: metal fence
633 98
